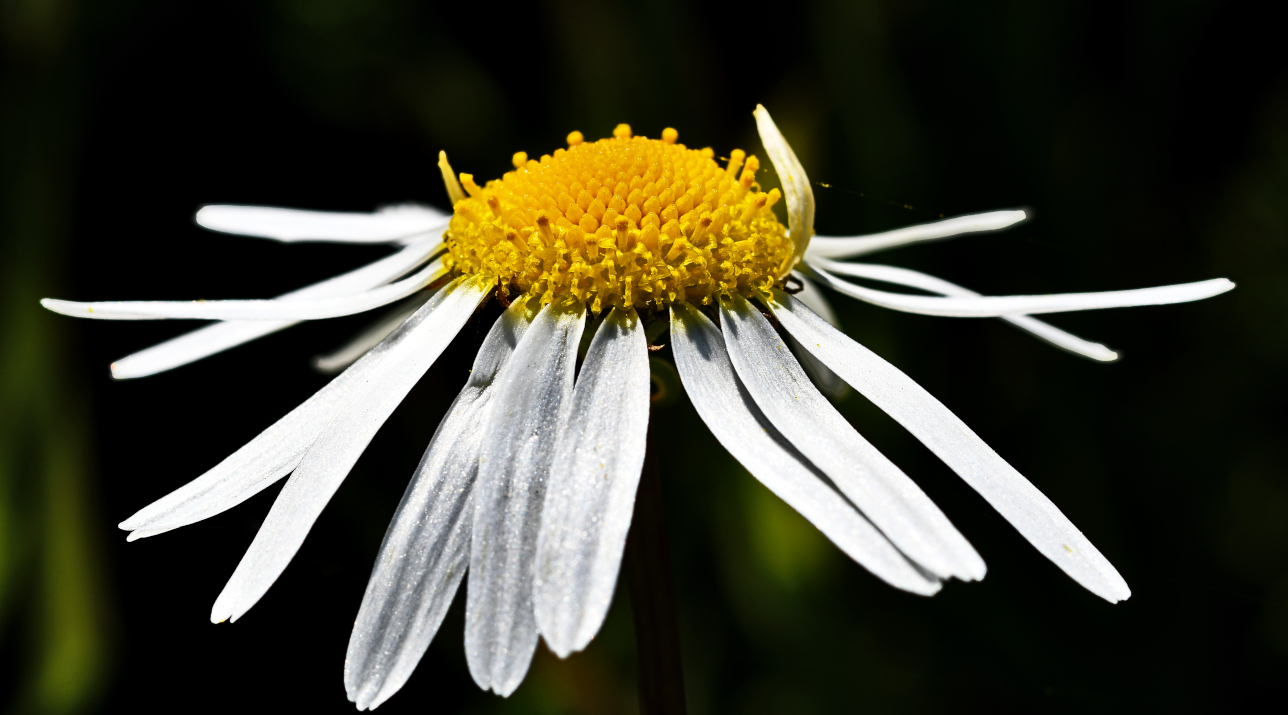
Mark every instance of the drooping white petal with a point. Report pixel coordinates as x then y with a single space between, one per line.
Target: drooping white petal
333 454
889 499
426 550
391 224
851 246
824 379
732 416
591 493
193 346
796 187
358 345
212 339
532 399
271 455
1018 501
914 279
277 309
997 306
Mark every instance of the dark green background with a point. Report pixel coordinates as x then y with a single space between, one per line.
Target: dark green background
1149 140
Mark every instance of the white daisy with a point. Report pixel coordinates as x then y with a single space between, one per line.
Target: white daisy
529 481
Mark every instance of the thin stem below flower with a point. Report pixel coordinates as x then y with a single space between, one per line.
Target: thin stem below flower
648 570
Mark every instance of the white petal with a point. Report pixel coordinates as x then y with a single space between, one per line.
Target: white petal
1031 513
729 412
193 346
270 456
427 548
997 306
329 460
851 246
388 225
796 187
826 380
531 402
914 279
591 493
358 345
204 342
885 495
276 309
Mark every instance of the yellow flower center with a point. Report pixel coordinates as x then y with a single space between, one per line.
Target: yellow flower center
621 222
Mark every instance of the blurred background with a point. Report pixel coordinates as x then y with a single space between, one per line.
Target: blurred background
1149 140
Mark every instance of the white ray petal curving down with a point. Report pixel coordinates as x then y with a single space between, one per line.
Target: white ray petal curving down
333 454
1017 500
732 416
591 493
915 279
885 495
426 550
851 246
359 344
391 224
211 339
824 379
273 454
318 308
997 306
531 401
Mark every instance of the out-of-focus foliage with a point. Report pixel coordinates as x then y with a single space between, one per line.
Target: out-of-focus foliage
53 599
1150 141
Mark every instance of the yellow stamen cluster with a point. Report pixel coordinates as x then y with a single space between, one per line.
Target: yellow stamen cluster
627 221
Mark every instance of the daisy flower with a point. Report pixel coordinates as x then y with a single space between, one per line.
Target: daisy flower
528 484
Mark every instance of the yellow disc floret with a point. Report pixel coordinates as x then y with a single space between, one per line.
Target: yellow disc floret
621 222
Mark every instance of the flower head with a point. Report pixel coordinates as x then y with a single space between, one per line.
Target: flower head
527 486
625 222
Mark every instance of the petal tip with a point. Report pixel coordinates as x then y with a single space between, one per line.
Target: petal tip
929 589
121 371
1118 594
561 647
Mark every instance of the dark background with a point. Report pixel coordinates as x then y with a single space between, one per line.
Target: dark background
1149 140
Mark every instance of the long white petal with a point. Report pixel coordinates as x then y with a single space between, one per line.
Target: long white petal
427 548
212 339
591 493
337 449
889 499
388 225
732 416
358 345
997 306
532 400
302 309
796 187
271 455
914 279
1018 501
826 380
851 246
193 346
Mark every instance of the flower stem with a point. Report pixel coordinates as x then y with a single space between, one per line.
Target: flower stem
648 570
